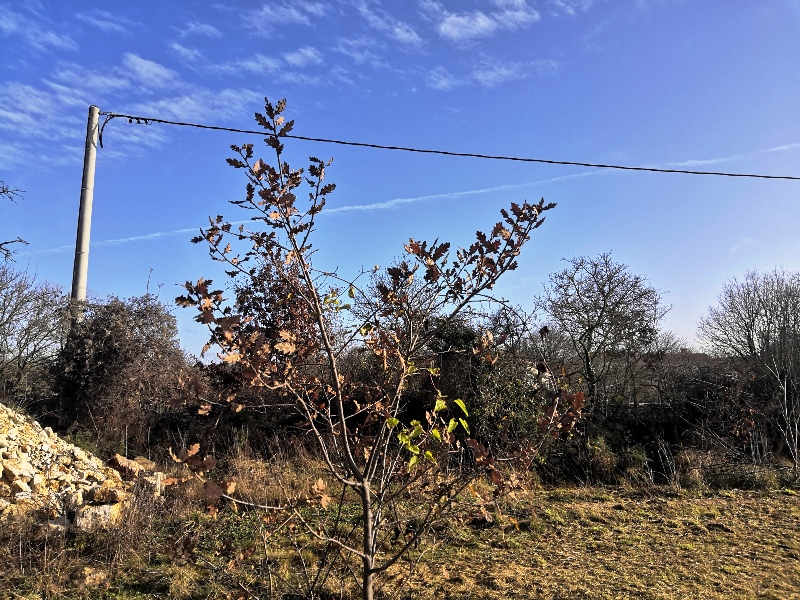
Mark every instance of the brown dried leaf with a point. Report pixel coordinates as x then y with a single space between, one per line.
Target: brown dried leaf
208 464
192 450
285 347
212 493
129 469
478 449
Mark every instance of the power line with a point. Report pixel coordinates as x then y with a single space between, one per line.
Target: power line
148 120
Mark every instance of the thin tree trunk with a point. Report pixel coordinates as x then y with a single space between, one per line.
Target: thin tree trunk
368 545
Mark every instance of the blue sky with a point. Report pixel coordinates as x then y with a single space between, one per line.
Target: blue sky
709 85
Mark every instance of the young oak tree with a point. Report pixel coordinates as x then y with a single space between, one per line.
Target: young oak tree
292 331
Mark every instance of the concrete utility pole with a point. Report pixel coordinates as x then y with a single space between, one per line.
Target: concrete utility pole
81 267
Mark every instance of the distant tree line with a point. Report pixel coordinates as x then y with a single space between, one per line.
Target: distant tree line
120 374
653 405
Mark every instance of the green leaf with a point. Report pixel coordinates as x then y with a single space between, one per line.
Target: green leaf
392 422
403 438
417 431
440 405
451 426
429 456
462 406
413 448
414 460
436 435
464 424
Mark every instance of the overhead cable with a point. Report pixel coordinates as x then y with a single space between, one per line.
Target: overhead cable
149 120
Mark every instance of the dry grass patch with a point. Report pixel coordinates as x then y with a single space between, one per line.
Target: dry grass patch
616 545
561 543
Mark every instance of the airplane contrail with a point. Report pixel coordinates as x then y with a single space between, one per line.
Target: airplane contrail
733 157
387 204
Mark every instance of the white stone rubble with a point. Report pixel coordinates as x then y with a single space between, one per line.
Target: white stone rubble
41 473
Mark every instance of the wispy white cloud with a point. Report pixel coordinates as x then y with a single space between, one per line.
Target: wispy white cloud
514 14
188 55
149 73
494 72
49 117
201 105
571 7
14 154
256 64
303 57
53 124
28 112
290 67
440 78
94 81
122 141
382 21
404 33
467 26
197 28
489 72
361 50
69 96
31 31
297 12
106 21
463 27
104 81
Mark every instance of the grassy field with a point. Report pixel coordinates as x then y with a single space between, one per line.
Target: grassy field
604 544
560 543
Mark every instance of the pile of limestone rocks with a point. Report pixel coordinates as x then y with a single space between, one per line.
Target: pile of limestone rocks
42 475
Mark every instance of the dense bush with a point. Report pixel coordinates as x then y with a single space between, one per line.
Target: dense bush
120 369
